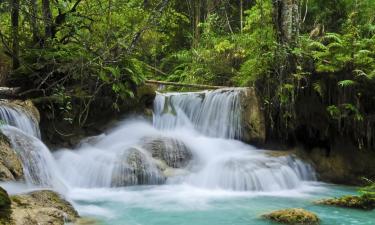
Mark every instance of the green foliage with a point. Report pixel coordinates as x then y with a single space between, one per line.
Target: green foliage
259 42
368 190
346 83
106 49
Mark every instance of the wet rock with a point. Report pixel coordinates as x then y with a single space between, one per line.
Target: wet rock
135 167
42 208
5 209
293 217
173 152
146 95
26 106
91 140
152 162
86 221
10 163
253 123
29 107
343 165
357 202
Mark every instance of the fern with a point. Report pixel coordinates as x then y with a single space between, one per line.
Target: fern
317 86
346 83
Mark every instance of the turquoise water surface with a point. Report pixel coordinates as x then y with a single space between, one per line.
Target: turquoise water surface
185 205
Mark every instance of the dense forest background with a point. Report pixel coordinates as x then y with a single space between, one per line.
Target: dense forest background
311 61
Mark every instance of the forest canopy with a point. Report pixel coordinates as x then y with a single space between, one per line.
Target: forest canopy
292 52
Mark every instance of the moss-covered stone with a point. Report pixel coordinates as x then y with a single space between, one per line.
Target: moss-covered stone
26 106
343 164
253 122
41 207
293 217
5 209
357 202
10 163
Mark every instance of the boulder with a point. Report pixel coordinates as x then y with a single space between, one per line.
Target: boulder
150 163
146 94
10 163
343 165
5 207
42 208
173 152
356 202
253 122
293 217
135 167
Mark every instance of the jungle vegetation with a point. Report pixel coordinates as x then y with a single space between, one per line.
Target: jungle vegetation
311 61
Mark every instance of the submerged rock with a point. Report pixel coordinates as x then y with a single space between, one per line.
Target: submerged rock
42 208
172 151
293 217
357 202
10 163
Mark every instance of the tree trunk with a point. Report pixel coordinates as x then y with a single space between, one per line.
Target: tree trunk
286 19
33 21
15 6
196 21
241 15
47 17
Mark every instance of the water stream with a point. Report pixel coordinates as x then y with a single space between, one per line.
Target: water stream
184 167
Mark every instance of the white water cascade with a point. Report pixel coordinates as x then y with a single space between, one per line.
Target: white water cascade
190 142
213 113
17 117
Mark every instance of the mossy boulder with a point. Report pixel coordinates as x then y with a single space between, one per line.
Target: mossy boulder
136 167
146 94
252 119
293 217
10 164
27 107
172 151
5 209
357 202
41 207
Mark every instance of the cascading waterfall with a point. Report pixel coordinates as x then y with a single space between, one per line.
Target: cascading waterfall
38 163
191 141
17 117
213 113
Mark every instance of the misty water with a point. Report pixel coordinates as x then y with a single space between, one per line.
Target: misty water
186 166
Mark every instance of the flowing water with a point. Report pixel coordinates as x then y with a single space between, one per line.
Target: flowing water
15 116
183 168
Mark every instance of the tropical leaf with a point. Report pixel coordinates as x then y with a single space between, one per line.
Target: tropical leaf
346 83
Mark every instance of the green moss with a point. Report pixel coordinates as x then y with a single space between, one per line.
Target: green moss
293 217
364 202
5 209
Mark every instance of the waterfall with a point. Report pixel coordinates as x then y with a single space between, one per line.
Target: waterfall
255 172
214 113
17 117
38 163
192 141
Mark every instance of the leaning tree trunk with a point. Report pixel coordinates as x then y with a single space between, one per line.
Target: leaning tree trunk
15 11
